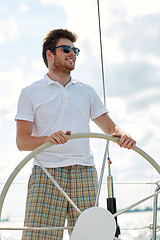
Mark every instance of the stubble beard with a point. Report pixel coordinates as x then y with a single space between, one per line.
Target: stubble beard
62 67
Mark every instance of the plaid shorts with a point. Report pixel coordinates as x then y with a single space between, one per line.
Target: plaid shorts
47 207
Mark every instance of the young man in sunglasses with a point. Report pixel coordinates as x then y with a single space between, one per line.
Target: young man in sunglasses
49 110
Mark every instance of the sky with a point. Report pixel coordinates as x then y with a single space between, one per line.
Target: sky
131 52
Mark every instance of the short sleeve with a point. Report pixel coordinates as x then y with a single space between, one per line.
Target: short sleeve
97 107
25 109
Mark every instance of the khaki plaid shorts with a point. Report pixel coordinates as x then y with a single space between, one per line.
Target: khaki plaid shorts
47 207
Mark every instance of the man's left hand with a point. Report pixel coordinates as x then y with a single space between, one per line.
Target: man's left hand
125 140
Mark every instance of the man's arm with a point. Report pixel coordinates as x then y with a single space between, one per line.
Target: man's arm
109 127
27 142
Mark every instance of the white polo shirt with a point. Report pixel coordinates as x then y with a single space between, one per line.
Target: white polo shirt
52 107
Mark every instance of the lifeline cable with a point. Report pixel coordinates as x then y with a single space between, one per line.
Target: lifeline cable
102 65
111 201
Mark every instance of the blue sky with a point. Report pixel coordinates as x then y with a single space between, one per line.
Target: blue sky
130 35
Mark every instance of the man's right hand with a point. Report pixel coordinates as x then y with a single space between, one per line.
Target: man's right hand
59 137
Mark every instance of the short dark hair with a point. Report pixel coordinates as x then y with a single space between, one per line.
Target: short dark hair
52 38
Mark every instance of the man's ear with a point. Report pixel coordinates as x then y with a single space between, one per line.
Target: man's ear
49 55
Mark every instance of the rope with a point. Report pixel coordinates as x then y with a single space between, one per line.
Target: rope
102 65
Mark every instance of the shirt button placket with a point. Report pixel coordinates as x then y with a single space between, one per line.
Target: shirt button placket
65 97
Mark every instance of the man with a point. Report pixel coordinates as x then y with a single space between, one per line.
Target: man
49 110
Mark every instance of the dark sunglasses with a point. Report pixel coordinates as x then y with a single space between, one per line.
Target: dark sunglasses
67 49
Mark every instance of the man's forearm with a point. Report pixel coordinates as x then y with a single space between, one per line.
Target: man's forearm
29 143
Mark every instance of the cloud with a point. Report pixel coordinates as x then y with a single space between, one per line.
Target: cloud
129 77
150 58
135 8
39 66
114 17
47 1
8 30
11 82
23 7
77 16
144 31
145 99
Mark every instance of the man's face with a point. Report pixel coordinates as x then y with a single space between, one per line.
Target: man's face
64 62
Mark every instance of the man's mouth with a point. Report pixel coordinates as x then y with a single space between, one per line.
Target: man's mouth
70 60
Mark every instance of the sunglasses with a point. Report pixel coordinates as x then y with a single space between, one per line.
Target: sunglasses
67 49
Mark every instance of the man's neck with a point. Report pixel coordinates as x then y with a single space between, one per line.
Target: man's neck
61 77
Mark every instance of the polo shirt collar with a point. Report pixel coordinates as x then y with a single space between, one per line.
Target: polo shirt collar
52 82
